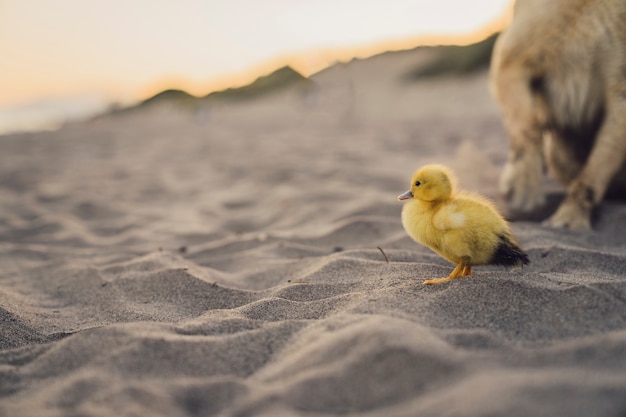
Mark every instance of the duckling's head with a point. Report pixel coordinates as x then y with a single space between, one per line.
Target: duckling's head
430 183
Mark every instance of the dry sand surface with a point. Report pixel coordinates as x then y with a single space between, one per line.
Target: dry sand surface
225 262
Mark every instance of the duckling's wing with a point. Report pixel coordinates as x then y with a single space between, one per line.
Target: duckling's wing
449 217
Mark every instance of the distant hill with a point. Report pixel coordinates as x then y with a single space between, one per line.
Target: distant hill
178 96
278 80
452 59
172 96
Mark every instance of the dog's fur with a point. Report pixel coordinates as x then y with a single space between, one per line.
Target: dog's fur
559 74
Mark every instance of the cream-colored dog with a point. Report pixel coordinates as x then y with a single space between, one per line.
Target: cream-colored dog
559 74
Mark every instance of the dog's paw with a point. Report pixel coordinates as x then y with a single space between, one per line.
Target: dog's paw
521 183
571 215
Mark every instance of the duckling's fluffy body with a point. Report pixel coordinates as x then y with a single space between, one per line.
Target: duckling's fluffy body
464 228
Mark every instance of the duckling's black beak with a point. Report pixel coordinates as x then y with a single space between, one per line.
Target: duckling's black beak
406 195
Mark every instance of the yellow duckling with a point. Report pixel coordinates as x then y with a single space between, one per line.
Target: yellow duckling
464 228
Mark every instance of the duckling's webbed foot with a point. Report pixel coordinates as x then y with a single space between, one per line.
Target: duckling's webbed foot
461 270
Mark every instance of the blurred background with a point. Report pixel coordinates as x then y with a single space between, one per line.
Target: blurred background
71 59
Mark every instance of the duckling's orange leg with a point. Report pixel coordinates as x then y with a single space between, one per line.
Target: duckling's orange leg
461 270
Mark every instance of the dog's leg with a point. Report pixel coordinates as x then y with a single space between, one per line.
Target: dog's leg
606 159
561 158
521 181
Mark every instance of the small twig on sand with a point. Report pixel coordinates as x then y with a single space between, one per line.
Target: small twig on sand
383 252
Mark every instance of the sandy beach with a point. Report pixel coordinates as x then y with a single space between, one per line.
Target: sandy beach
229 260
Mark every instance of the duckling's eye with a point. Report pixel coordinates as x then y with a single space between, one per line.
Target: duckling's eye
417 183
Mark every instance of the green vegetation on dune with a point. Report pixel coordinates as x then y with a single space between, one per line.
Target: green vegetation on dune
171 96
456 60
280 79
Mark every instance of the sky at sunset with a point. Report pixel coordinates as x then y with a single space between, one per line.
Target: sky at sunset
124 50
